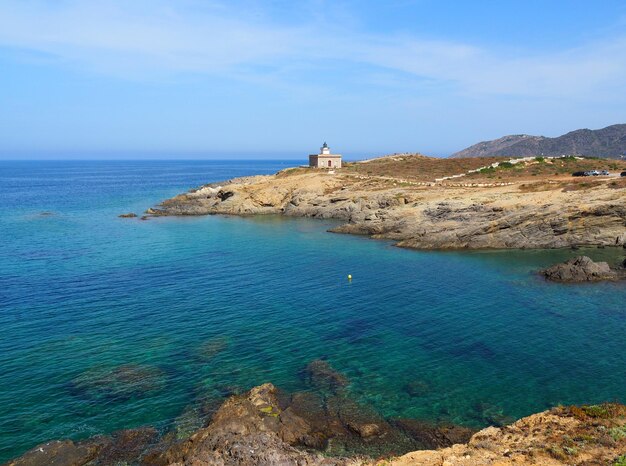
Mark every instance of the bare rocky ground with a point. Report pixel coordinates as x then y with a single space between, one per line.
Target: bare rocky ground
529 206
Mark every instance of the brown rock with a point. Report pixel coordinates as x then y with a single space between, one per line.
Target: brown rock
321 375
128 215
61 453
127 445
431 436
580 269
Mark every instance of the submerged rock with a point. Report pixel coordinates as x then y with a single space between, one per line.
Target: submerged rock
211 348
417 388
128 215
321 375
123 382
580 269
60 453
127 445
122 447
431 436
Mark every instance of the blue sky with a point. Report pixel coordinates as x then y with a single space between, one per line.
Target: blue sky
275 78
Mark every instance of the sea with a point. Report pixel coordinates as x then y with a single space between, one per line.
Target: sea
109 323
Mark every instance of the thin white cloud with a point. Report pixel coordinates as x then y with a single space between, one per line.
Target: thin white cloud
140 38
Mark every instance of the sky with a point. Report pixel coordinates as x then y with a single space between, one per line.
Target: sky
276 78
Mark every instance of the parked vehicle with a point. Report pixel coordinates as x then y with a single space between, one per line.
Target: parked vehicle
623 174
579 174
604 172
594 173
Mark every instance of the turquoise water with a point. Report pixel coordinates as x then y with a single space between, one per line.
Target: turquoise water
202 307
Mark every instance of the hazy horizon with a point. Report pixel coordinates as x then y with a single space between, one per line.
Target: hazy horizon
247 78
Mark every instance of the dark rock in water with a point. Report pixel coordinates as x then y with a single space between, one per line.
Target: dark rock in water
316 430
121 383
211 348
431 436
321 375
61 453
127 445
189 421
363 421
46 214
579 269
417 388
128 215
122 447
144 217
492 414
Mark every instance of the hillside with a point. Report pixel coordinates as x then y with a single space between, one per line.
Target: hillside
609 142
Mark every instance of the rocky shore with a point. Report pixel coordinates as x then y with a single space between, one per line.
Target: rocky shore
546 212
269 427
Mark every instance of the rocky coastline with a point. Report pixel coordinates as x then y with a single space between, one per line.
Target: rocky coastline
543 213
266 426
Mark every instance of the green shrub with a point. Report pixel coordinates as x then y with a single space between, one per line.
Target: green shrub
505 165
540 159
618 433
598 411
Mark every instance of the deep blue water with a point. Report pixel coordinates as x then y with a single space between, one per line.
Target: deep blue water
200 307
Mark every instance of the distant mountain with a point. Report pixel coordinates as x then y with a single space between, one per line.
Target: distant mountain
609 142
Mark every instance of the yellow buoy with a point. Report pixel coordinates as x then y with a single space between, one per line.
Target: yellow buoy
349 277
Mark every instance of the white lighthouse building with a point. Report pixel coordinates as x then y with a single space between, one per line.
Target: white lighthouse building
325 159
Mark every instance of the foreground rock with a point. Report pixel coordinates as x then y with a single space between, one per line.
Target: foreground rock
590 435
267 427
580 269
422 215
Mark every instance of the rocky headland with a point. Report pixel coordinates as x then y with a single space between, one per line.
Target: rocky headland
426 203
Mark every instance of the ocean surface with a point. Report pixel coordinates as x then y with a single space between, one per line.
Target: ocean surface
109 323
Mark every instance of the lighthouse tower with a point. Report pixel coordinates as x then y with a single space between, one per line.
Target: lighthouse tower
325 159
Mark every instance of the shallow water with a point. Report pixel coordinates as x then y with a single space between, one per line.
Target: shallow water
193 309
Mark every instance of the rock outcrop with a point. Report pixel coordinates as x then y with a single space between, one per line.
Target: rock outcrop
267 427
580 269
588 435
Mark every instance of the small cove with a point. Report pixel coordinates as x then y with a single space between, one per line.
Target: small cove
193 309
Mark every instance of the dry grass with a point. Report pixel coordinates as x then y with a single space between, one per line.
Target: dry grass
407 169
548 168
417 167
